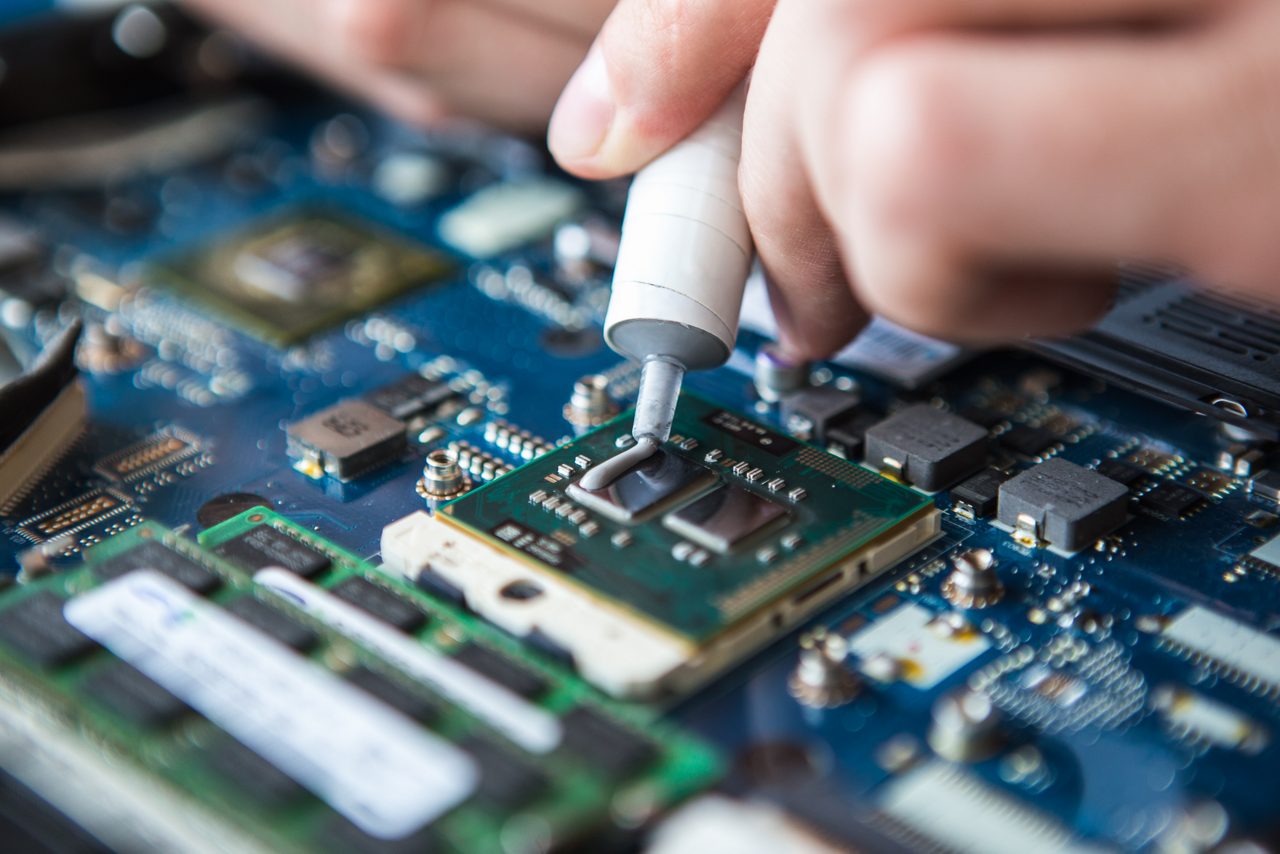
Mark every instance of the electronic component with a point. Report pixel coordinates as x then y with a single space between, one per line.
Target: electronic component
617 592
43 413
1268 553
415 399
724 517
345 441
1173 339
1027 441
645 488
150 455
264 546
976 497
944 805
408 702
381 603
926 447
1120 471
1240 652
251 776
1063 504
973 582
822 679
506 780
160 558
380 744
35 627
777 377
1170 500
491 665
299 273
924 648
1191 714
965 726
274 623
129 693
1266 486
846 437
811 412
72 517
503 216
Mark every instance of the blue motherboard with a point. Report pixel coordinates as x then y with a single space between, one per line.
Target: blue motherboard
1119 695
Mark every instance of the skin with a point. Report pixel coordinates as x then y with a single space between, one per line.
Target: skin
970 168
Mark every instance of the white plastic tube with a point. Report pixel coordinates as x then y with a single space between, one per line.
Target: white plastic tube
685 252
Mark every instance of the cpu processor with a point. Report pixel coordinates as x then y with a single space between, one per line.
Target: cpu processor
295 274
688 562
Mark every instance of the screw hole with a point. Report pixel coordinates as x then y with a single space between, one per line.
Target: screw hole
521 591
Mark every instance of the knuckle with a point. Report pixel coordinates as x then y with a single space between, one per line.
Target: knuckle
375 30
910 144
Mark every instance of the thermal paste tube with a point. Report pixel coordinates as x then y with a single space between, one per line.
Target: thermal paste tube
685 251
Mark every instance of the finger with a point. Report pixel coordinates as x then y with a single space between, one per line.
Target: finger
274 26
962 157
582 18
814 307
658 69
477 58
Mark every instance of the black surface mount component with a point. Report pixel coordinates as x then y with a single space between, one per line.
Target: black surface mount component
1027 441
1170 500
252 775
134 696
813 411
36 629
163 559
501 670
274 623
407 702
978 496
1062 503
381 603
927 447
605 744
264 546
1121 472
346 440
412 397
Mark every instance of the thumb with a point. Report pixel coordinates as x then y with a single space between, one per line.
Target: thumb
656 71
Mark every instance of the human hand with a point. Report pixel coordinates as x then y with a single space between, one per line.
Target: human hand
503 61
971 170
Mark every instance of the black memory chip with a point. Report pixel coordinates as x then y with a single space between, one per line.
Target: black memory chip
506 781
274 623
381 603
253 776
502 670
411 704
134 696
979 494
1121 472
1171 500
604 744
411 397
340 836
1027 441
36 628
264 546
161 558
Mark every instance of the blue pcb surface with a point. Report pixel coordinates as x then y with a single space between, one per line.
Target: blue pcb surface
1090 748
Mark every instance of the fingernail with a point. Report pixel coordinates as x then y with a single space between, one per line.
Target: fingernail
584 113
